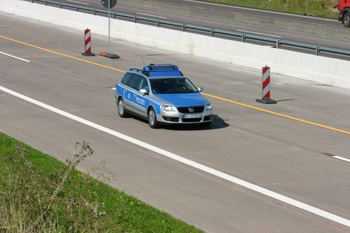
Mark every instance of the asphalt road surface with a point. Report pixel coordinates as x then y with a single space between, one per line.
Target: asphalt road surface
259 168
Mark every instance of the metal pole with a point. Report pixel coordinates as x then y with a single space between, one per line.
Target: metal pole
307 7
109 26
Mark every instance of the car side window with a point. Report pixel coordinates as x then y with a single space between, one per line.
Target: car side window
134 81
126 78
143 84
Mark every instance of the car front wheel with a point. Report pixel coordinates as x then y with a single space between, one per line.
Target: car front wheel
121 109
152 119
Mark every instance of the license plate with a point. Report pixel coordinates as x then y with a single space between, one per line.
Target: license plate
192 116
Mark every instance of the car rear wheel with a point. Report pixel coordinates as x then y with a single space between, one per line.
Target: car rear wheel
346 19
152 119
121 108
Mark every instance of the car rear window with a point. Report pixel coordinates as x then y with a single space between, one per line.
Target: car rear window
126 78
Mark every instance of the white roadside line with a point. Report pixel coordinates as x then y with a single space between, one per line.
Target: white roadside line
156 16
341 158
188 162
254 9
14 57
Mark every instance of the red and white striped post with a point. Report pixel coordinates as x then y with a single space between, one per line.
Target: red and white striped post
87 43
266 87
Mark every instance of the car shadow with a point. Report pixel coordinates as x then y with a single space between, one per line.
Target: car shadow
217 123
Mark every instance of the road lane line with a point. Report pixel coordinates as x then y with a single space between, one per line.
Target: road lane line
341 158
22 59
61 54
278 114
201 167
212 96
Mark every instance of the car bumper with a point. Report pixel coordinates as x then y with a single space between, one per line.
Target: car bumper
185 118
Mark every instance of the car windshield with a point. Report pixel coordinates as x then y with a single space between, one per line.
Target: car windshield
172 86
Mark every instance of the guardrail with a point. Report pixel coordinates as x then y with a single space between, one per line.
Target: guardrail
277 42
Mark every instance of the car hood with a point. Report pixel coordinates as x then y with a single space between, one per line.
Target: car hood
183 99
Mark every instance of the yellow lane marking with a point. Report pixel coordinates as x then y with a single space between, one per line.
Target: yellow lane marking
61 54
277 114
212 96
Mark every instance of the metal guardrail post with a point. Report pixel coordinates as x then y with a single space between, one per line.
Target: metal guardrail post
278 43
318 50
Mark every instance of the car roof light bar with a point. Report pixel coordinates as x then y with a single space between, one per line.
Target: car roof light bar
161 67
162 70
165 73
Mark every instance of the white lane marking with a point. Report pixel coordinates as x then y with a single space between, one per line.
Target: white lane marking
155 16
254 9
83 3
258 33
14 57
188 162
341 158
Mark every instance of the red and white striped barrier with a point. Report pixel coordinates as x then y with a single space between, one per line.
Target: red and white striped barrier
266 87
266 82
87 40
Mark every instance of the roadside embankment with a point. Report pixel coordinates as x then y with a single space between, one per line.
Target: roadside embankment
251 19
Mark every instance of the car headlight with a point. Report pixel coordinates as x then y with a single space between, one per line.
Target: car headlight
208 107
168 108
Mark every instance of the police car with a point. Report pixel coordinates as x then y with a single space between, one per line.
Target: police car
161 94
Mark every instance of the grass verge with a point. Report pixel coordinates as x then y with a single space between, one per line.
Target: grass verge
41 194
320 8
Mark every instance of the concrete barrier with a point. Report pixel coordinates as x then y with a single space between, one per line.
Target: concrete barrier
323 70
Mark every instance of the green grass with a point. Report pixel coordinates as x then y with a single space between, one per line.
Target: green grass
321 8
41 194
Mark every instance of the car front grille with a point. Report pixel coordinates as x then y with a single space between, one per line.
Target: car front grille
196 109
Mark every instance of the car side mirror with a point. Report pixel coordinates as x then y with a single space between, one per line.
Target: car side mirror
143 91
200 89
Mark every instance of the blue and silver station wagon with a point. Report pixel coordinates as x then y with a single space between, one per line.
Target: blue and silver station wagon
162 95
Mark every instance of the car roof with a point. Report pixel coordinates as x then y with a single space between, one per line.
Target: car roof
163 77
157 71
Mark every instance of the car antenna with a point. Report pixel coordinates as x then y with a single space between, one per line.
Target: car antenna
143 61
